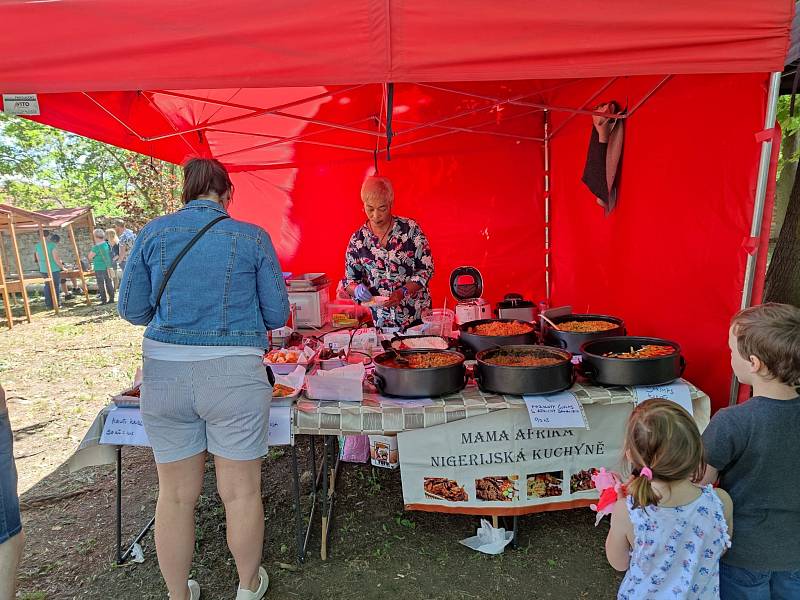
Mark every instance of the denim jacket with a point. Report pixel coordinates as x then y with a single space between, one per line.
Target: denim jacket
227 291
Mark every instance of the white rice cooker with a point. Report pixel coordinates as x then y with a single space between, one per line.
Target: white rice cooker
466 285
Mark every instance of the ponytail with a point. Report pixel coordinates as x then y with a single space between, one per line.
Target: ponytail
642 491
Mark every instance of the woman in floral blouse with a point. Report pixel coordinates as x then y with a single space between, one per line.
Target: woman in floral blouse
388 256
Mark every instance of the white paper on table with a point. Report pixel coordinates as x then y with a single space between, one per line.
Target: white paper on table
410 403
280 426
489 540
344 384
124 427
294 379
678 392
556 411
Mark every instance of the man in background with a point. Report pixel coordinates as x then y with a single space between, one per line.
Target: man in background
12 539
126 239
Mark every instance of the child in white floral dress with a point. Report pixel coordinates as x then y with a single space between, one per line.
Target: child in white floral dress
668 534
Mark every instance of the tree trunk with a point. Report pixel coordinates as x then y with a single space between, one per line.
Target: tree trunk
790 145
783 274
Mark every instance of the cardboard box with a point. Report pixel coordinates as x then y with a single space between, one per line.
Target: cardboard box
383 451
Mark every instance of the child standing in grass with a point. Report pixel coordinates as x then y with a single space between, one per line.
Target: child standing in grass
754 450
100 255
668 534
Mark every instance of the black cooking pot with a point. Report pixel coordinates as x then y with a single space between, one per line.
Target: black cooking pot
524 380
573 340
476 343
418 383
601 369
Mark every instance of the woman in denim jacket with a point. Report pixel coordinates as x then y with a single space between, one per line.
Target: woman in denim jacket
205 388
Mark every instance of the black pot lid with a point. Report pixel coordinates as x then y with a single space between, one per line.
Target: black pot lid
466 283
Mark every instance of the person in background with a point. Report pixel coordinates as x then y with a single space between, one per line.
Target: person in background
56 266
126 241
113 243
100 255
753 449
205 388
668 534
12 538
388 256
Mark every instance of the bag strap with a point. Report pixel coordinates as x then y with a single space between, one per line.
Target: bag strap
181 254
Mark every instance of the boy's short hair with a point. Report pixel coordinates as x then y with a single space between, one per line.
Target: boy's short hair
772 333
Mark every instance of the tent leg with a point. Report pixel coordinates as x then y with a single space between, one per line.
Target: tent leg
547 206
25 302
78 264
760 201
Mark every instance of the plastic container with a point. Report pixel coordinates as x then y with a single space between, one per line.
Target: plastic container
438 321
345 314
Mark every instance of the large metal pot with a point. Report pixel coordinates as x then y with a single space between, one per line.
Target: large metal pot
418 383
604 370
573 340
477 343
524 380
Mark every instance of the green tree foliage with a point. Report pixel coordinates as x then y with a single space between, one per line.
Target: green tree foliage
42 167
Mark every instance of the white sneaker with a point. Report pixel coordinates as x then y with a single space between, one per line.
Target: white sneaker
194 590
243 594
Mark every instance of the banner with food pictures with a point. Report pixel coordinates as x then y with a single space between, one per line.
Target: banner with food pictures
498 464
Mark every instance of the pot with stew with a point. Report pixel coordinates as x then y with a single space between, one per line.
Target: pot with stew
575 330
524 369
419 373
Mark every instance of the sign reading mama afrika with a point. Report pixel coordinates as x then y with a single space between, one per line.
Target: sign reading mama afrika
498 464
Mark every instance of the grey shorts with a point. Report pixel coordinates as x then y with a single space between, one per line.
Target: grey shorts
219 405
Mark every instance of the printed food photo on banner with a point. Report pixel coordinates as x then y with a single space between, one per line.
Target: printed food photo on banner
545 485
582 481
441 488
497 489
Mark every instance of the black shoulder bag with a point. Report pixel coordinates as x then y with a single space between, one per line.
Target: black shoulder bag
180 256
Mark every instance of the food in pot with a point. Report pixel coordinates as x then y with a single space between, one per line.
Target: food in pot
522 360
501 328
282 391
328 354
586 326
545 485
423 360
420 343
496 489
582 481
442 488
646 351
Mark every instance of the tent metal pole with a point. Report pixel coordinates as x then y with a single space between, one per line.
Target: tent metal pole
257 112
591 98
547 206
760 201
479 131
647 96
115 117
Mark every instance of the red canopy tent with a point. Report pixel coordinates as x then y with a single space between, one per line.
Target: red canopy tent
488 104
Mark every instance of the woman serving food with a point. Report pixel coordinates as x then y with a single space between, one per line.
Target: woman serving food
388 257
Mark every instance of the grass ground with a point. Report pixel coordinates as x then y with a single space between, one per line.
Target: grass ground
59 372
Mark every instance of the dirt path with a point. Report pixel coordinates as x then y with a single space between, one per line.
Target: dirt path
60 371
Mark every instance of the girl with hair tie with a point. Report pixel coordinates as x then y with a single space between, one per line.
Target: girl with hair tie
668 534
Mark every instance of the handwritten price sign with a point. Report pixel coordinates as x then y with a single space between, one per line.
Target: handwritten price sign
124 427
678 392
556 411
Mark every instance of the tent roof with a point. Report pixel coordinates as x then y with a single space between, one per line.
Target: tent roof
101 45
51 219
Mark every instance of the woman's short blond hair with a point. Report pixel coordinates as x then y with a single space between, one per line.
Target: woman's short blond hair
377 188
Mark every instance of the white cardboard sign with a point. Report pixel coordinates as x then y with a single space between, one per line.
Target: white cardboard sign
556 411
280 426
124 427
21 104
678 392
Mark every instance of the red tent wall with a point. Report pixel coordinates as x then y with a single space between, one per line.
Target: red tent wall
670 259
479 201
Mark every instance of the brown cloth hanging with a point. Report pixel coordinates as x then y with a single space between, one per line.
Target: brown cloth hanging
603 159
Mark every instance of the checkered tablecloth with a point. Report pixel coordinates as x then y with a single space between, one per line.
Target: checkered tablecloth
375 416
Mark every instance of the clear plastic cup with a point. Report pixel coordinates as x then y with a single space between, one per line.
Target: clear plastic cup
438 321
